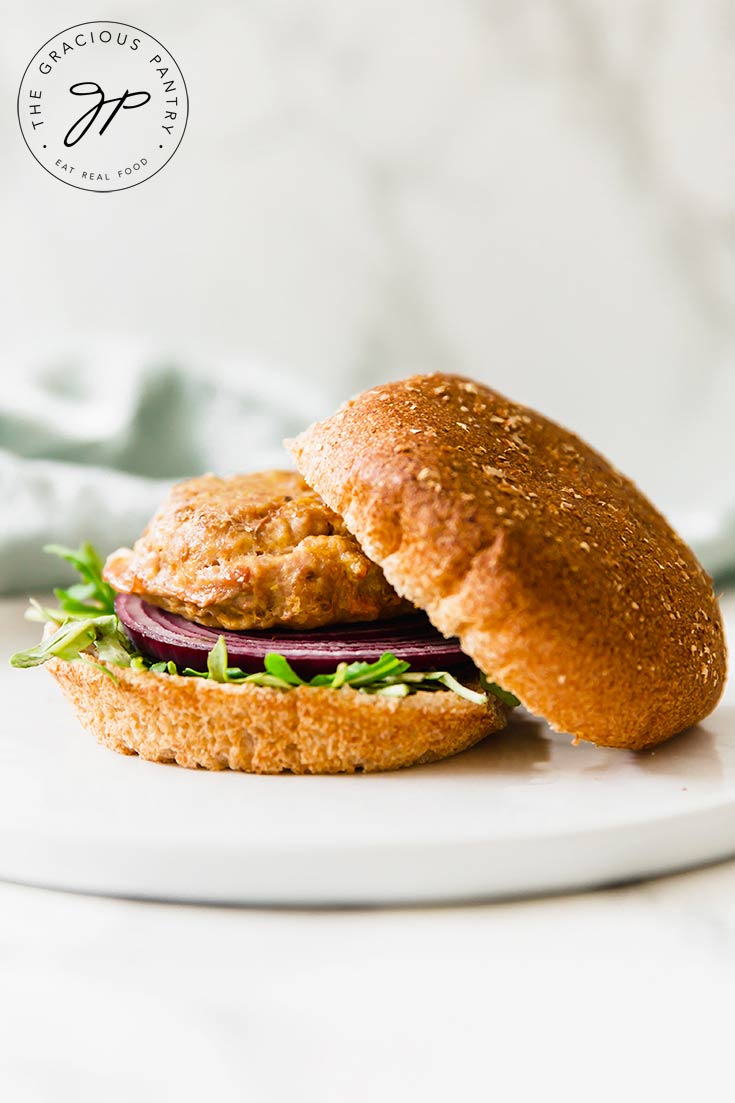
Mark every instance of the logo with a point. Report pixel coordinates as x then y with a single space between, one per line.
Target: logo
103 106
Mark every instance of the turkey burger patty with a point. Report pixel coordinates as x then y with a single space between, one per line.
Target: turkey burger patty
253 551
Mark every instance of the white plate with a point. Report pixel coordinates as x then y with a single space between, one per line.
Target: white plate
525 812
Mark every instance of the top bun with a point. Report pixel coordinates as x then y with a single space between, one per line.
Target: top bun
561 580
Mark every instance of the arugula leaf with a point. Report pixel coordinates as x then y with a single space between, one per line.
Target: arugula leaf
113 647
386 666
159 668
505 695
93 595
399 689
281 668
450 682
361 674
217 661
264 679
73 637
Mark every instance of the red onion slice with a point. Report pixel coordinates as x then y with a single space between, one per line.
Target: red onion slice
167 637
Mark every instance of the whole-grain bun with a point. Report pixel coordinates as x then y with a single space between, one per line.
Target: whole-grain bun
561 580
307 730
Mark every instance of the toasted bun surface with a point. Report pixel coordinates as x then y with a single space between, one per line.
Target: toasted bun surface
307 730
561 580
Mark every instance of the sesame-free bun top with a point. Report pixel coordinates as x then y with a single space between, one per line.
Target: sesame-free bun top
561 580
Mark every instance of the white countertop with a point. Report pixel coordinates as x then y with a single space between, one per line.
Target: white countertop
110 1000
625 993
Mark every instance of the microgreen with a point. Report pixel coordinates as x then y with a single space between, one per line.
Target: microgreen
75 636
92 595
281 668
217 661
503 694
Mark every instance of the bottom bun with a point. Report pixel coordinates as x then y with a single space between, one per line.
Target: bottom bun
307 730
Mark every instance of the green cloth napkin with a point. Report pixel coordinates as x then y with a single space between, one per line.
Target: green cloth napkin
89 447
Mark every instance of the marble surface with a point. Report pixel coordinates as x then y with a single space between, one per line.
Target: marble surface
624 994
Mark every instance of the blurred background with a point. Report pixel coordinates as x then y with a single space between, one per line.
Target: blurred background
538 194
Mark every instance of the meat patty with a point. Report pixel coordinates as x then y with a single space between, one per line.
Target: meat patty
253 551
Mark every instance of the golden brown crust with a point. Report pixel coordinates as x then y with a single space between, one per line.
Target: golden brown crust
306 730
252 551
562 581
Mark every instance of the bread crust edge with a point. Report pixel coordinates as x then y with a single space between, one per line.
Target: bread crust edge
515 604
306 730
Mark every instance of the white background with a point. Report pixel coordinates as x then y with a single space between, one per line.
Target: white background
539 194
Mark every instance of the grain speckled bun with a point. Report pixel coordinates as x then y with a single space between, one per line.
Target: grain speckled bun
562 581
196 722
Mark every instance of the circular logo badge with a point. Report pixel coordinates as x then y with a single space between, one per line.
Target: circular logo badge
103 106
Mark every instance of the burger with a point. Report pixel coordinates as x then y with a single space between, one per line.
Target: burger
442 555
